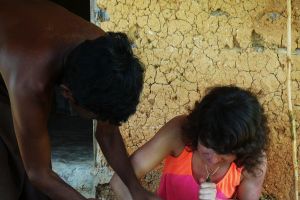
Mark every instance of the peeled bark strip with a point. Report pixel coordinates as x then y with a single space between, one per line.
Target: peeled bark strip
289 91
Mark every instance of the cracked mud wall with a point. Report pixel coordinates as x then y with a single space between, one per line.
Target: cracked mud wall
188 46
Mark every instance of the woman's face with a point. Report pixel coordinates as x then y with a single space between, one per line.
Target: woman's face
210 157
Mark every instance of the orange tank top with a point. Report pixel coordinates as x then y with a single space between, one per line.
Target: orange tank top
177 181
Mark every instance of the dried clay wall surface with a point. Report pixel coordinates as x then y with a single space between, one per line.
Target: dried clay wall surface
188 46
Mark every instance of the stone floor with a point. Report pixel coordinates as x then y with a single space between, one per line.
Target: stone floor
72 152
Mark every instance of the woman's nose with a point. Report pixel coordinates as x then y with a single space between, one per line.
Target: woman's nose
212 158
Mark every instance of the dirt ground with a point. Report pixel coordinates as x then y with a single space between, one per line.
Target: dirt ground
188 46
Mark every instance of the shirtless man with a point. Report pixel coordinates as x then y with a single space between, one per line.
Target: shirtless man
43 46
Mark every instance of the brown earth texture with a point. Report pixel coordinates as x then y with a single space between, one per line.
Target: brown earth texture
188 46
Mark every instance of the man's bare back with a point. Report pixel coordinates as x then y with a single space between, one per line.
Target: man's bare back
36 37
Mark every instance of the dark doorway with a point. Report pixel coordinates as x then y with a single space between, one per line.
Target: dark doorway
72 136
72 151
69 132
78 7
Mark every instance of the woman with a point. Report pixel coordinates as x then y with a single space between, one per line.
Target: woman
215 152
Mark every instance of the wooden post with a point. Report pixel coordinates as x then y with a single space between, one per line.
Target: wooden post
101 167
93 17
289 92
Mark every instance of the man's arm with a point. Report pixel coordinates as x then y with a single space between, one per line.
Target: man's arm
113 148
30 111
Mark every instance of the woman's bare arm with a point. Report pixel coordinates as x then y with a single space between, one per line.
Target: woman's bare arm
251 185
167 141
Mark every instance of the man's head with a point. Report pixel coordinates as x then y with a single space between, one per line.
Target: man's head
104 77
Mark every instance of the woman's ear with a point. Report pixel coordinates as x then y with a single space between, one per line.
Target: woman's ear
66 92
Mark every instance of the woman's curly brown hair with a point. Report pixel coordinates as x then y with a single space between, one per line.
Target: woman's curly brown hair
229 120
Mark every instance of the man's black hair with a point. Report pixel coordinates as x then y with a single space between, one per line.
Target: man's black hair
105 77
229 120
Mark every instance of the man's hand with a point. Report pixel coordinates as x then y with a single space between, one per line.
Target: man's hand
207 191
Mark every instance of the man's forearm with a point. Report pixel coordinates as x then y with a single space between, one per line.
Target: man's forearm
54 187
115 152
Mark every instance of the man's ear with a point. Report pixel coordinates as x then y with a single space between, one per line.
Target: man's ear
66 92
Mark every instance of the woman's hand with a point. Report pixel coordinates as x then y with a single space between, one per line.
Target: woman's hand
207 191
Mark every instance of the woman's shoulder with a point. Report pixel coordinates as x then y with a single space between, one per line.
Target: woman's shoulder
173 130
178 121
